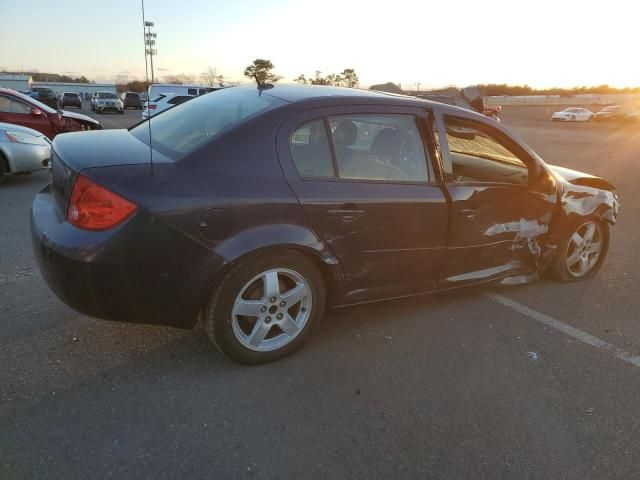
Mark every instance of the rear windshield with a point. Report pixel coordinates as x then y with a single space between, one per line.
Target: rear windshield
133 95
107 95
182 129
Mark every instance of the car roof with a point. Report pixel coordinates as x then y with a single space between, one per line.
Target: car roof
321 94
293 93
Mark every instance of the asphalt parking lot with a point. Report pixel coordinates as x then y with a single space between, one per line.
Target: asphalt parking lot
537 381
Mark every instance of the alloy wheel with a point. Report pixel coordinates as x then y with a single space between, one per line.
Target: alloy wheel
271 310
584 249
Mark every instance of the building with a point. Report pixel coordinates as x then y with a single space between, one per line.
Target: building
84 89
21 83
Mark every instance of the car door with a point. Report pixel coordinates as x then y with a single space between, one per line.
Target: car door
498 213
365 183
18 112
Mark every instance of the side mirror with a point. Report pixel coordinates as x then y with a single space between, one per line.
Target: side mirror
36 112
545 183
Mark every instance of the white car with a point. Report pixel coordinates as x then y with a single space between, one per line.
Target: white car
22 150
162 102
573 115
107 101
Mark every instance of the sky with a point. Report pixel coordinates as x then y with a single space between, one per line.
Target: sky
542 43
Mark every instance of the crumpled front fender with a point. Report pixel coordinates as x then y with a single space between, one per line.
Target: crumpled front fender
586 202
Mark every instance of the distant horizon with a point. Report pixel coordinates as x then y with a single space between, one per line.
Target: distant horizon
405 86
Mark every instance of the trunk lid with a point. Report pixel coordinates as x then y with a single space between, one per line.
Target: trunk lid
74 152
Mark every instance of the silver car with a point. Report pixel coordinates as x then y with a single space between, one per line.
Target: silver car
107 102
22 150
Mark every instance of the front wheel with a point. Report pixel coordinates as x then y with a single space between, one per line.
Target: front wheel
266 307
2 169
581 253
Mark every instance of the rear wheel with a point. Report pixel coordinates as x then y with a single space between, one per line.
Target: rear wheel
581 253
265 308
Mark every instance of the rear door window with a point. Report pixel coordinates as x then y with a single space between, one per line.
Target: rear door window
192 91
379 147
311 151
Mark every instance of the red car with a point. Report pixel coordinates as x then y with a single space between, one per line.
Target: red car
22 110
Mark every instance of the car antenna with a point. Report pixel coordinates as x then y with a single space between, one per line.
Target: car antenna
261 84
146 69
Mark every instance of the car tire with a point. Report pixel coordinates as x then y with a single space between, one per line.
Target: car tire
573 261
3 168
277 329
121 112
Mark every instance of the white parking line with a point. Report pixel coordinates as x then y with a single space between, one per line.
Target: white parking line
566 329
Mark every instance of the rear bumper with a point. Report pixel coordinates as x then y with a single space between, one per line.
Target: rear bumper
141 271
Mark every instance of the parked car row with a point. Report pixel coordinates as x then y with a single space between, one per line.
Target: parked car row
26 127
611 113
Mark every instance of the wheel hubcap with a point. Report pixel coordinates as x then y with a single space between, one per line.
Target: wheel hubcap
584 249
271 310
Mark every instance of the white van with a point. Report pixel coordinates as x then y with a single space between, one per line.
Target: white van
190 90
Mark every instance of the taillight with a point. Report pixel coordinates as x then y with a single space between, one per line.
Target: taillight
93 207
152 106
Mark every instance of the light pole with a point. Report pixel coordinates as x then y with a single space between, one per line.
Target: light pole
150 45
417 84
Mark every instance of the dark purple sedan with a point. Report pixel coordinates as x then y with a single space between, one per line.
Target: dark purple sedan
254 208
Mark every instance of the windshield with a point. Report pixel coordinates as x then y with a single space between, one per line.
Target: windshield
34 102
611 109
186 127
107 95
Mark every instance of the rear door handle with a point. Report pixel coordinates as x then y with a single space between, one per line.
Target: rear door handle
470 213
345 214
